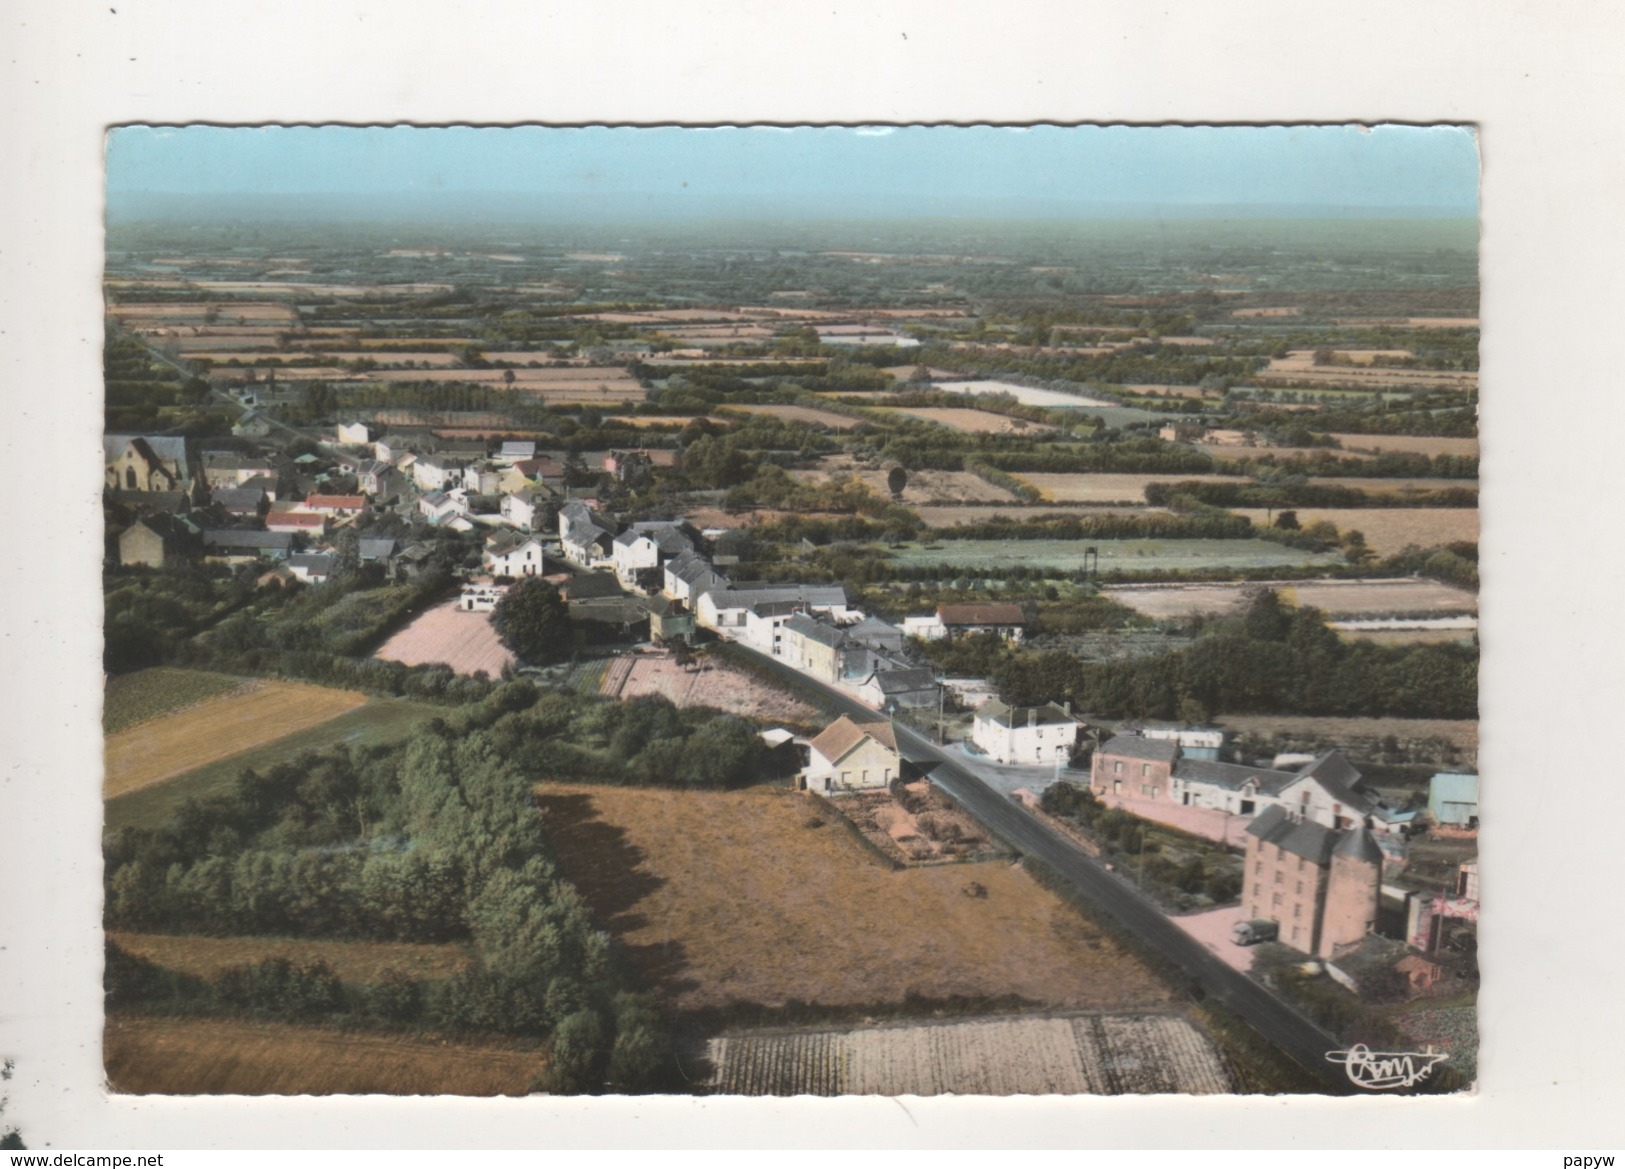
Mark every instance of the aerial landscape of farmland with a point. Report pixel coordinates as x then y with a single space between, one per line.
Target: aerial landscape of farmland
571 646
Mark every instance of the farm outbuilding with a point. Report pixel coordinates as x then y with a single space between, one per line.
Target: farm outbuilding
1453 799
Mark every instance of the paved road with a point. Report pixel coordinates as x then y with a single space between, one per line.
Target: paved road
1108 893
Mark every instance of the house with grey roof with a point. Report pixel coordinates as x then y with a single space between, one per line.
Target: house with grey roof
313 567
812 646
1026 734
240 545
586 536
648 545
688 574
724 608
137 462
891 686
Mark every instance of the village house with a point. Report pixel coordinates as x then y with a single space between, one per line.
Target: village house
891 687
157 541
508 554
312 567
334 506
522 509
308 523
515 450
354 434
233 470
242 545
1026 734
634 468
439 507
145 462
1319 885
764 624
379 550
437 472
483 478
670 621
851 756
688 574
646 546
243 502
585 535
724 607
812 646
1003 619
376 478
1327 789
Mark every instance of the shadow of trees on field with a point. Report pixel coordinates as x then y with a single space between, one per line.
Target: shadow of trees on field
607 868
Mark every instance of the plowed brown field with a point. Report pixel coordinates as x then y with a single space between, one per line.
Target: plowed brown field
177 1056
166 747
728 897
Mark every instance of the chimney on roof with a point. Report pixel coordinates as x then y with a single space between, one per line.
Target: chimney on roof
1067 706
1032 716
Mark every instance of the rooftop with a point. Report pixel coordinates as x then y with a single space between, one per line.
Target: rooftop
839 738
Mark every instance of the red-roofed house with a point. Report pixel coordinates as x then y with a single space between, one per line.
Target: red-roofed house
852 756
334 505
312 523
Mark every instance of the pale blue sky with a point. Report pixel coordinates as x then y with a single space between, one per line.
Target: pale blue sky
911 168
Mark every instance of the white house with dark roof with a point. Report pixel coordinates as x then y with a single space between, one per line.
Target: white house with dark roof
585 535
440 507
1026 734
852 756
688 574
507 554
312 567
522 508
725 607
648 545
812 646
891 686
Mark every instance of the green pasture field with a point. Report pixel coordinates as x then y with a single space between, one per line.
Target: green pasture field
134 698
1120 555
383 720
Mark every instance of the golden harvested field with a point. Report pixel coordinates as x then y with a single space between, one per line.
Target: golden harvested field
524 378
1334 598
225 312
953 517
363 963
1155 391
1091 488
464 641
708 683
903 372
1265 312
973 421
1406 636
1389 529
737 897
1299 365
1417 444
183 1057
802 414
217 729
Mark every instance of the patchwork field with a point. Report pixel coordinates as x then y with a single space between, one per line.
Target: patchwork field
1460 734
1091 1054
806 414
1299 366
708 682
363 963
1236 454
972 421
942 516
179 1056
924 487
974 556
165 747
385 720
1026 395
756 897
1388 530
1409 444
1092 488
1334 598
1396 486
464 641
130 699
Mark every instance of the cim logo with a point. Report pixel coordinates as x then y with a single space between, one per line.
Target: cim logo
1384 1071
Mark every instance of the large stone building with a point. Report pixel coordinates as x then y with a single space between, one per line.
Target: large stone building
1319 885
